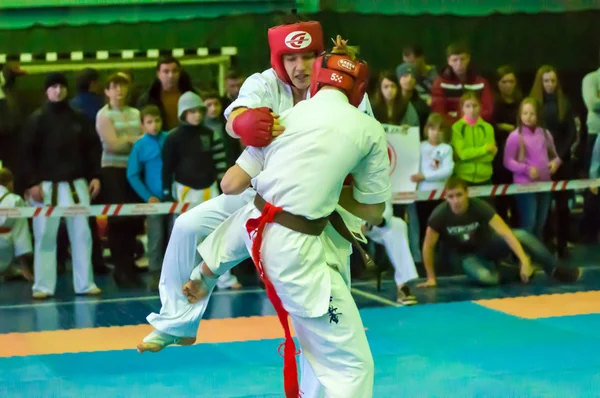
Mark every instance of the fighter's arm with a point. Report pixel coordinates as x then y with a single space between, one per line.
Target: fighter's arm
500 227
371 187
238 177
249 117
431 239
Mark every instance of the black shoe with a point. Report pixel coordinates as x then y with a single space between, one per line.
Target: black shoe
125 281
567 274
152 285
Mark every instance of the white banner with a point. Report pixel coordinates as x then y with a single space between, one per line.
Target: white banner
405 157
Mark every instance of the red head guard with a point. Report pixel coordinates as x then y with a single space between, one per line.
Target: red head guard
303 37
341 71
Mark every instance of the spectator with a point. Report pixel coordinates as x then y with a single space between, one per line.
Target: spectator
216 122
119 128
437 165
144 172
474 143
390 106
171 81
406 77
457 79
193 162
10 117
591 97
89 101
506 110
15 238
425 75
531 156
135 90
233 84
60 169
476 239
558 118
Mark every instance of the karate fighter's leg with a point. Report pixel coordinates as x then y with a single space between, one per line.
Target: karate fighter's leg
394 236
336 346
177 317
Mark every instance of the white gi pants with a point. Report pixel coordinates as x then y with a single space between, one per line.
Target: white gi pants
183 193
15 243
177 316
394 237
336 360
45 230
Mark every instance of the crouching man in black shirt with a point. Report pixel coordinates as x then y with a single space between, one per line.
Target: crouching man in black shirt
475 237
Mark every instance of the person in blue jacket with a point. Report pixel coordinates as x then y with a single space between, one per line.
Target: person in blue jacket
144 173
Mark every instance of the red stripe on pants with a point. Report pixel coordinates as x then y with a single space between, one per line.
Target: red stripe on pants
290 371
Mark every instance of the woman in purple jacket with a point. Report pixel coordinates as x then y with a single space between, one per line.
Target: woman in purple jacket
531 156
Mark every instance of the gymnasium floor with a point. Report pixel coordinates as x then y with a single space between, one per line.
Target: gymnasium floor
541 340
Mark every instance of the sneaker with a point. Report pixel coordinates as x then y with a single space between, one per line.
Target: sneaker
94 292
567 274
405 296
40 295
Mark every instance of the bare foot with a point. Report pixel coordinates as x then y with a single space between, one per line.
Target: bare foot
194 291
155 347
152 347
236 286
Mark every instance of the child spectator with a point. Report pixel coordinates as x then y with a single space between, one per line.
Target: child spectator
531 156
216 122
144 173
436 166
193 160
474 143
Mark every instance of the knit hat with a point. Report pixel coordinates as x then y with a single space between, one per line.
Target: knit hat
405 69
55 78
189 100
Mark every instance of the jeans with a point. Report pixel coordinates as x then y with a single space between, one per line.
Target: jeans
158 229
533 211
483 266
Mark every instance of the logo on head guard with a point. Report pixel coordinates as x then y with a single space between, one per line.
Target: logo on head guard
346 64
336 78
298 40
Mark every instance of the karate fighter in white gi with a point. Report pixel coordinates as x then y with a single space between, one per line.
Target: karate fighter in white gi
293 51
289 226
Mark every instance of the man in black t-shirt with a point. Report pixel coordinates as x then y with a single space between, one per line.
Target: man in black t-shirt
479 239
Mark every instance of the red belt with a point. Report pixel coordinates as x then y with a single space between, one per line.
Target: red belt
290 371
5 230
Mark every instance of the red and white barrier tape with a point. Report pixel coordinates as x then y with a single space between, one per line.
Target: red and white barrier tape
141 209
501 189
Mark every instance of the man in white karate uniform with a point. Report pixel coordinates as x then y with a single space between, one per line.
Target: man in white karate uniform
59 168
293 51
285 228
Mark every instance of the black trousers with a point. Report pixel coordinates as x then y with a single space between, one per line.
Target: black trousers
123 230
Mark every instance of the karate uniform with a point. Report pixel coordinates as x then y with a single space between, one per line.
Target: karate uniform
15 239
177 316
302 171
78 228
394 237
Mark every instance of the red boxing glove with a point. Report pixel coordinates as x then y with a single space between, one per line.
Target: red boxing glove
254 126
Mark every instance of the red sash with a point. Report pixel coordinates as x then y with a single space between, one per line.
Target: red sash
290 371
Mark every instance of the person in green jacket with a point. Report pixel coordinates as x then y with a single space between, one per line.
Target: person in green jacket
474 143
